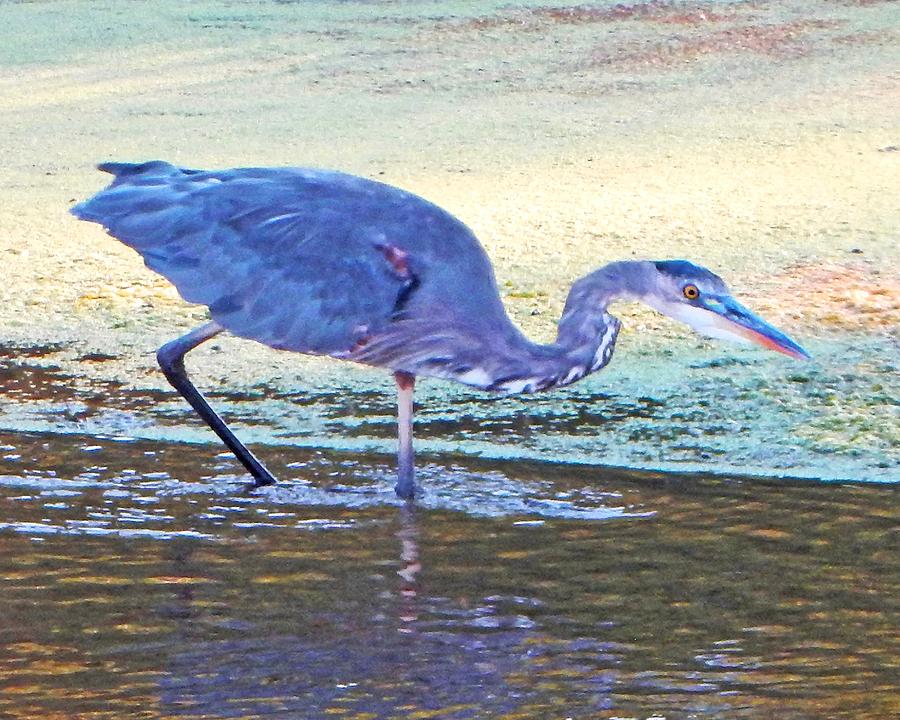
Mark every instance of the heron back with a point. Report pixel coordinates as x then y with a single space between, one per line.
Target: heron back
301 259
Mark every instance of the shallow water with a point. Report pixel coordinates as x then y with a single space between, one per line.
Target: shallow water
141 580
721 410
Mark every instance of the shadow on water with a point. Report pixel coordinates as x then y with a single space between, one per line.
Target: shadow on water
138 582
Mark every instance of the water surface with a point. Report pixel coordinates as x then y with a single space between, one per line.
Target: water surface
142 580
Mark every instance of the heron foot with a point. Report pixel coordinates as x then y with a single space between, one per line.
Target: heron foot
263 477
406 487
259 483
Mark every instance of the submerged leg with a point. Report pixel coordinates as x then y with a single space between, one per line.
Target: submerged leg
171 360
406 472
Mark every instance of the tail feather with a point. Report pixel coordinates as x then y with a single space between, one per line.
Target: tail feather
96 209
138 173
126 169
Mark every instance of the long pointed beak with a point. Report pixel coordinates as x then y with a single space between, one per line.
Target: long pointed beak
734 318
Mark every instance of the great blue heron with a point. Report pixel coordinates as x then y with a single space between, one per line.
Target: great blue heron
325 263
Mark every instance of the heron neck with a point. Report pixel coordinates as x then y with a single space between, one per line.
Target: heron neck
501 358
585 321
586 334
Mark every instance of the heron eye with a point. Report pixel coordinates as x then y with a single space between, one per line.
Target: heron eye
691 292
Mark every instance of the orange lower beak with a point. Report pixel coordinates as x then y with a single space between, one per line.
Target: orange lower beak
735 318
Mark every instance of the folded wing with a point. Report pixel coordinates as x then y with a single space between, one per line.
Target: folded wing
298 259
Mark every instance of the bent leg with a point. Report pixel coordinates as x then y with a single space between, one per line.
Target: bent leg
171 360
406 472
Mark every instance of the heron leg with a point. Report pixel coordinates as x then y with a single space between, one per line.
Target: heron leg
171 360
406 471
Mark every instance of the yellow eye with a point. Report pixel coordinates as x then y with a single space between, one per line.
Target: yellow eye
691 292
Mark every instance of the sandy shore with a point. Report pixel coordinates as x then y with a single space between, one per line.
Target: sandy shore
761 139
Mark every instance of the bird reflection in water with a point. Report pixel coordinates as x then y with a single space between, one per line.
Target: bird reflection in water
410 566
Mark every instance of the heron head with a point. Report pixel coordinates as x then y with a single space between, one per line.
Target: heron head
699 298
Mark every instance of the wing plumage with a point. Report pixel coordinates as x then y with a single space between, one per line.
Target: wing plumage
295 258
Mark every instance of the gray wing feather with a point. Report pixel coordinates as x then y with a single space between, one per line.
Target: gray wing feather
273 259
288 257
